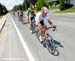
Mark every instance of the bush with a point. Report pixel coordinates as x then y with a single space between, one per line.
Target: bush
62 5
68 6
41 3
16 7
51 3
3 10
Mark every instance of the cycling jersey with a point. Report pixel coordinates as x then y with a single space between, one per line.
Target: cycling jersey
32 17
40 18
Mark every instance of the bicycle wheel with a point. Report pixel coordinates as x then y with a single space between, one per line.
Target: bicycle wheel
37 35
33 28
51 45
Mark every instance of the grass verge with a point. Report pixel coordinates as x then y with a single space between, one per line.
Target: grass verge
70 10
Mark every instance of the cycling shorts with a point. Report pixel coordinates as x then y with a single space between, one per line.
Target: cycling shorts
42 23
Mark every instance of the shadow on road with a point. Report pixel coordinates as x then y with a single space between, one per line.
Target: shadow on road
25 23
57 44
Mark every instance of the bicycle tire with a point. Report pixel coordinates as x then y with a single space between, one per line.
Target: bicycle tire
51 45
37 35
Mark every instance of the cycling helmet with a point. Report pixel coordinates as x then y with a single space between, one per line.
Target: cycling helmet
45 10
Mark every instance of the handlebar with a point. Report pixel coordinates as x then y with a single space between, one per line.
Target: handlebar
54 28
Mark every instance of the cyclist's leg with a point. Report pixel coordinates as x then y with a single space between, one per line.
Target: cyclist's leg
40 30
40 34
30 24
21 17
44 29
28 18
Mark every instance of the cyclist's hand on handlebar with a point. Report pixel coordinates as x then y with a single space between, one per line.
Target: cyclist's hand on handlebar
54 26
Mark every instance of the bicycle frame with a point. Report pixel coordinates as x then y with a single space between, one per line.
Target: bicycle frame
46 35
48 40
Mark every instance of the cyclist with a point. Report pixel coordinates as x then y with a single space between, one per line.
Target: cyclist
31 19
40 21
28 13
20 15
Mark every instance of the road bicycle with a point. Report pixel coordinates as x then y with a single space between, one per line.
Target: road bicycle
48 40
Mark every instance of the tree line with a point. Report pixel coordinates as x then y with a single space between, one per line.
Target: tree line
3 10
38 4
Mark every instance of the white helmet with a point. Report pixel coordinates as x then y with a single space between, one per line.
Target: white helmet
45 9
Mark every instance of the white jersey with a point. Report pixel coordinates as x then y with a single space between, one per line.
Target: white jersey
39 17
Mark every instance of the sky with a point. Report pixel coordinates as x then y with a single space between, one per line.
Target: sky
11 3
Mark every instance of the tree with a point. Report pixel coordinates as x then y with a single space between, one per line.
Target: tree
24 5
16 7
0 9
62 4
41 3
3 10
20 7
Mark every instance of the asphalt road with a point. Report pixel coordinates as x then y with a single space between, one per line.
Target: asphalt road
12 49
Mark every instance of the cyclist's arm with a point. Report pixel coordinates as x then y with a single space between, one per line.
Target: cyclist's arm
51 23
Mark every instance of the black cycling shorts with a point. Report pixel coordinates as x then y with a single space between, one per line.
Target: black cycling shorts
32 18
42 23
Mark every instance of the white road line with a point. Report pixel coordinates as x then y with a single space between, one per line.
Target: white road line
12 59
30 57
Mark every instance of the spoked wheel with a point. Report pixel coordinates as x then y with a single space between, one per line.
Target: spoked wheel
51 45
